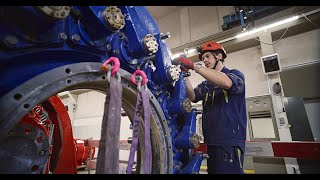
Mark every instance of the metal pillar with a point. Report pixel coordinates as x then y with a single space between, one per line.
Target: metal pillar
277 101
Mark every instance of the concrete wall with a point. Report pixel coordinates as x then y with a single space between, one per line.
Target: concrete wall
86 119
301 48
191 23
171 23
204 21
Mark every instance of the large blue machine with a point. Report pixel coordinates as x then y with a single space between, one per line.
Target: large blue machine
45 50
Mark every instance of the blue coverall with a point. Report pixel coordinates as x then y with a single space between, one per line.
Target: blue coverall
224 121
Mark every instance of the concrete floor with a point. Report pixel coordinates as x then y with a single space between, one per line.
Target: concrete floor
123 167
248 169
84 170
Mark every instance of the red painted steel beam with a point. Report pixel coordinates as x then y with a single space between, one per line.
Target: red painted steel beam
297 149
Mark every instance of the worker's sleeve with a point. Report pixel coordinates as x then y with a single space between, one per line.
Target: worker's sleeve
238 81
198 91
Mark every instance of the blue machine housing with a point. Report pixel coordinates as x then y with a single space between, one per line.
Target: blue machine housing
33 43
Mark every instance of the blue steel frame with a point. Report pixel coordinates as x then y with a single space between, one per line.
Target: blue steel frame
32 43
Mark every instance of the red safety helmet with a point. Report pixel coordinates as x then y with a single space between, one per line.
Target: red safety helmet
211 46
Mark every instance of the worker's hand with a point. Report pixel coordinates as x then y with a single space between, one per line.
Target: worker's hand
184 62
183 69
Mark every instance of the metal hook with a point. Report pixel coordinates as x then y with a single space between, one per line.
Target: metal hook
138 79
117 75
109 73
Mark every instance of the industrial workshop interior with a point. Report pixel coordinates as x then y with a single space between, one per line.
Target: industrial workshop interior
160 90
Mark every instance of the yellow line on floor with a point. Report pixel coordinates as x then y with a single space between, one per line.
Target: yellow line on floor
246 171
249 171
203 168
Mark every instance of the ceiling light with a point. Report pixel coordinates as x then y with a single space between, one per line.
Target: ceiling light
263 28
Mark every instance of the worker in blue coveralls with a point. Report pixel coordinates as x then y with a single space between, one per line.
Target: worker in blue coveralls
224 118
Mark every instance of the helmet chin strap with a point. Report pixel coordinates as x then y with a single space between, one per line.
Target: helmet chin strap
217 61
215 65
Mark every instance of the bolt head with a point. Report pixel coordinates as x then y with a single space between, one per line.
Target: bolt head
63 36
76 38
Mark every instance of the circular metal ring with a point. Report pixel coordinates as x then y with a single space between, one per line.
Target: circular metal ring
87 76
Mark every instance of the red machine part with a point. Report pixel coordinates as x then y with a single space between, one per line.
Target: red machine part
63 157
30 119
298 149
91 164
202 148
83 151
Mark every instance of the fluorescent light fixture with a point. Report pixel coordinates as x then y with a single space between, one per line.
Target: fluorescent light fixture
263 28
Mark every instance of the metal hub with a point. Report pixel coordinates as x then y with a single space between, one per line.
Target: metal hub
173 72
114 18
58 12
150 44
187 105
24 151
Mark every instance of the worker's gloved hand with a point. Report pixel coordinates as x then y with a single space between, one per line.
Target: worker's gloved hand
183 61
183 69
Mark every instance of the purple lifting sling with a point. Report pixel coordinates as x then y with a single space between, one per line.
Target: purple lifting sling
108 154
109 144
141 106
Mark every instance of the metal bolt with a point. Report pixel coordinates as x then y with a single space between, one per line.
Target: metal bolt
42 152
116 51
63 36
187 74
164 35
108 47
75 38
134 61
